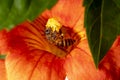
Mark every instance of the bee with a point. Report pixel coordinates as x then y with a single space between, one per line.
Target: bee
65 42
54 34
52 37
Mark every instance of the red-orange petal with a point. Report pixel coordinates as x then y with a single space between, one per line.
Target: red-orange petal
3 42
2 70
79 64
68 12
110 65
34 65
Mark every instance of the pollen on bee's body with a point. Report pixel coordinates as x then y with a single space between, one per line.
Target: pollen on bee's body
53 24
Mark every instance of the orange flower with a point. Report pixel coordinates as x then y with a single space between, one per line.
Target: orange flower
32 55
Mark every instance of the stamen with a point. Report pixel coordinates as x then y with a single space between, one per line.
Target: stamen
82 35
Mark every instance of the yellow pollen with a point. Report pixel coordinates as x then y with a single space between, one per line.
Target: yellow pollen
53 24
82 35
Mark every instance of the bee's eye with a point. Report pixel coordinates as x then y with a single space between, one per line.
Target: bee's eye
48 31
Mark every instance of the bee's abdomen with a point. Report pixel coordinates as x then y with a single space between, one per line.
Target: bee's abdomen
65 42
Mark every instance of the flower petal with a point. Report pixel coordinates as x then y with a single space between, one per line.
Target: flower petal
35 65
68 12
79 64
3 42
2 70
79 26
110 64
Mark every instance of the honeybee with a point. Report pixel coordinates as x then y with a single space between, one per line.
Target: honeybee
55 35
65 42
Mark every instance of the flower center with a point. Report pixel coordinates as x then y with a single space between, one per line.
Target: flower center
62 37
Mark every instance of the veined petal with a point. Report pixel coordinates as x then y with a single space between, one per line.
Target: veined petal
82 66
79 64
69 12
30 36
34 65
110 65
2 70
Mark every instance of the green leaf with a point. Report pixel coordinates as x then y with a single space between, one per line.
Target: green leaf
13 12
102 21
2 56
87 2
